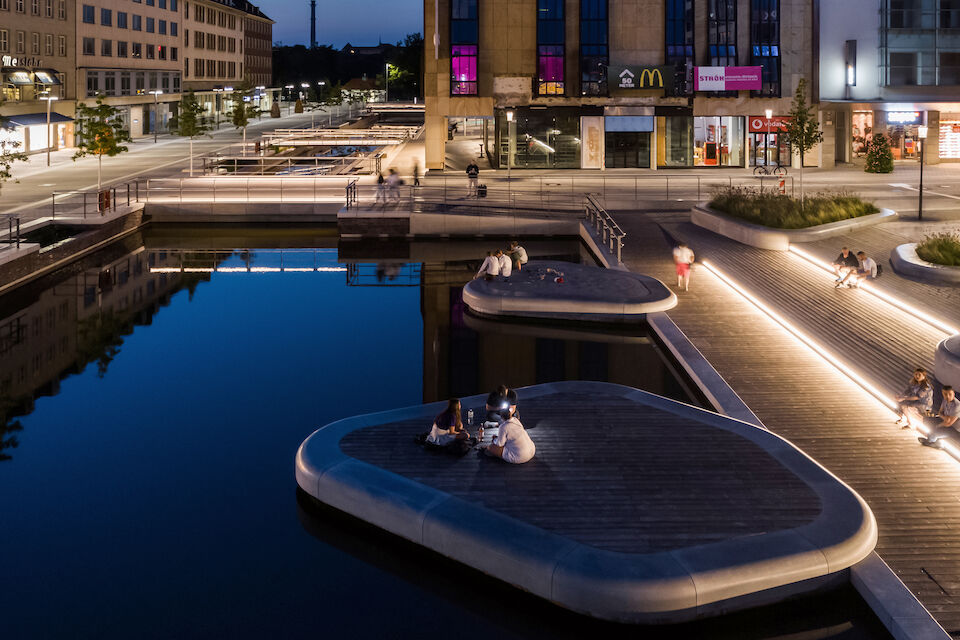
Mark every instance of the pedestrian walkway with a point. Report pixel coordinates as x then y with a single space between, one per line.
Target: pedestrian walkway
914 491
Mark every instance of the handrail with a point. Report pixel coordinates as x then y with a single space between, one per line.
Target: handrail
607 228
13 232
351 194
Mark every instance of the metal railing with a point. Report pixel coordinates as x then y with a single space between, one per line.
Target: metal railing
292 165
92 201
12 238
351 194
229 189
611 235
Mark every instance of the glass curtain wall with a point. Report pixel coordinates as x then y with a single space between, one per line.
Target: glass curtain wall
765 44
543 138
679 43
551 40
464 51
594 48
718 141
722 32
674 141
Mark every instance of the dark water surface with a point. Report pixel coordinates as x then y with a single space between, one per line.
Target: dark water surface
156 414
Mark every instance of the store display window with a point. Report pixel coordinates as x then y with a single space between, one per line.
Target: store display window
861 131
718 141
674 141
950 137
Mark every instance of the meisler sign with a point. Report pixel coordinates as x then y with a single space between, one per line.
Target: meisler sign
9 61
641 78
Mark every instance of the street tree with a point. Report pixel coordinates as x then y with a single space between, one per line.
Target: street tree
803 129
190 121
9 151
243 108
879 155
100 132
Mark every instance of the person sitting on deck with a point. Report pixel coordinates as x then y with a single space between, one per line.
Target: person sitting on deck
518 254
490 267
843 264
506 264
866 268
501 399
512 444
949 412
916 400
448 426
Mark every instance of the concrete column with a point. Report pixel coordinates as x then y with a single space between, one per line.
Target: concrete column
827 148
436 140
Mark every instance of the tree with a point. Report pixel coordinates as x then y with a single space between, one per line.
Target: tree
190 121
879 155
9 151
100 132
803 130
243 108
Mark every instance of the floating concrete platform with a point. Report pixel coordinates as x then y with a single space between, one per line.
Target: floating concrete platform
635 509
586 293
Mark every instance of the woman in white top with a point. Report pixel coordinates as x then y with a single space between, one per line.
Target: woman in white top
512 443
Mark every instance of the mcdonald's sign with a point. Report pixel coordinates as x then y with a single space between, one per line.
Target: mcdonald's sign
641 78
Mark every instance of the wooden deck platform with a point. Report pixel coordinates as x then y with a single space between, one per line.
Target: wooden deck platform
914 491
635 508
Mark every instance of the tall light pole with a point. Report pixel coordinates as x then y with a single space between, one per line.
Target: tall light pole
922 134
156 112
386 82
49 99
509 142
217 98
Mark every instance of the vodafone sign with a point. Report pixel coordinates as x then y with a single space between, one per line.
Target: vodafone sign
776 124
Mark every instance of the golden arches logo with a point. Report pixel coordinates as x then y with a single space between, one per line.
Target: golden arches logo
647 77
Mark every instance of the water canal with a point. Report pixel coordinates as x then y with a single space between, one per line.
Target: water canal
152 397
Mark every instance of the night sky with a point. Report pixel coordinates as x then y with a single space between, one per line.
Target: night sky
361 22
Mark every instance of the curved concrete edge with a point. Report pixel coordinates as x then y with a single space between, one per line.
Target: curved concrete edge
495 305
907 263
720 394
663 587
893 603
772 239
946 361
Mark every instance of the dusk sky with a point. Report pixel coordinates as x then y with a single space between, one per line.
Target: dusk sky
361 22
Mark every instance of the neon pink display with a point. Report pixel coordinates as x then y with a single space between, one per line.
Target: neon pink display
463 66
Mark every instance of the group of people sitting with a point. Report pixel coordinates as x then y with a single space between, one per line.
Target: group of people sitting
851 270
915 406
511 444
502 263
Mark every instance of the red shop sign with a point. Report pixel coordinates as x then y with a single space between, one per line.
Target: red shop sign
776 124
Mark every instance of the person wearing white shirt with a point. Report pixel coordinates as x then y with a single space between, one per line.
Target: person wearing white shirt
683 257
866 269
506 264
490 267
513 443
518 254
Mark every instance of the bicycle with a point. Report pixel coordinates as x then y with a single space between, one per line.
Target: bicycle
766 170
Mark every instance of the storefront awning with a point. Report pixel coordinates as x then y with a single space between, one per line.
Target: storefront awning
47 76
28 119
17 75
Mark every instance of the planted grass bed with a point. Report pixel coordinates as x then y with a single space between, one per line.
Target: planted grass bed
783 212
942 249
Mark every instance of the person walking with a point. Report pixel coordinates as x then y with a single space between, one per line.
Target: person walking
416 173
473 176
381 190
683 257
393 185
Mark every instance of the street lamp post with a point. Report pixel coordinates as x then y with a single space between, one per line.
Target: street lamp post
156 112
289 89
922 134
766 145
509 143
49 99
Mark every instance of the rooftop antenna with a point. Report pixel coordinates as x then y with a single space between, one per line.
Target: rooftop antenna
313 24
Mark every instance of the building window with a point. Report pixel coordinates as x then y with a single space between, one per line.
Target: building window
19 6
110 84
35 44
48 44
141 82
173 5
162 4
722 32
149 3
221 43
550 47
150 25
903 68
35 7
198 13
198 39
121 20
21 41
594 49
61 46
125 83
4 5
231 45
173 28
88 14
176 83
121 49
197 68
464 37
93 83
48 8
162 52
150 52
106 48
173 53
679 44
765 44
211 68
62 9
162 27
106 17
136 50
4 40
137 23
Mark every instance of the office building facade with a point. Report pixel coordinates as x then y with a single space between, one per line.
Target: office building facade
891 66
616 83
38 60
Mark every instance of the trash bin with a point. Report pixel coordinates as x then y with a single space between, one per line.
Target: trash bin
482 191
103 200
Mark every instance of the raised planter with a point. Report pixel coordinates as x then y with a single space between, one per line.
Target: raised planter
946 362
773 239
907 263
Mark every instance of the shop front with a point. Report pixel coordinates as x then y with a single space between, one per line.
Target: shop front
627 141
769 144
950 137
31 132
541 138
902 129
702 141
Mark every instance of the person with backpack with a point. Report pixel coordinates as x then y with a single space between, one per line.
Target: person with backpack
473 175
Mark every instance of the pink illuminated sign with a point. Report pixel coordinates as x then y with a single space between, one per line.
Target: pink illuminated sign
727 78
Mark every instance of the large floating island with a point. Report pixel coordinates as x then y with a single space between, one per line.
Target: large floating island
568 291
635 508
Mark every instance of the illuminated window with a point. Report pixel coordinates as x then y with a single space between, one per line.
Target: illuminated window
551 38
464 37
765 44
594 48
679 43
